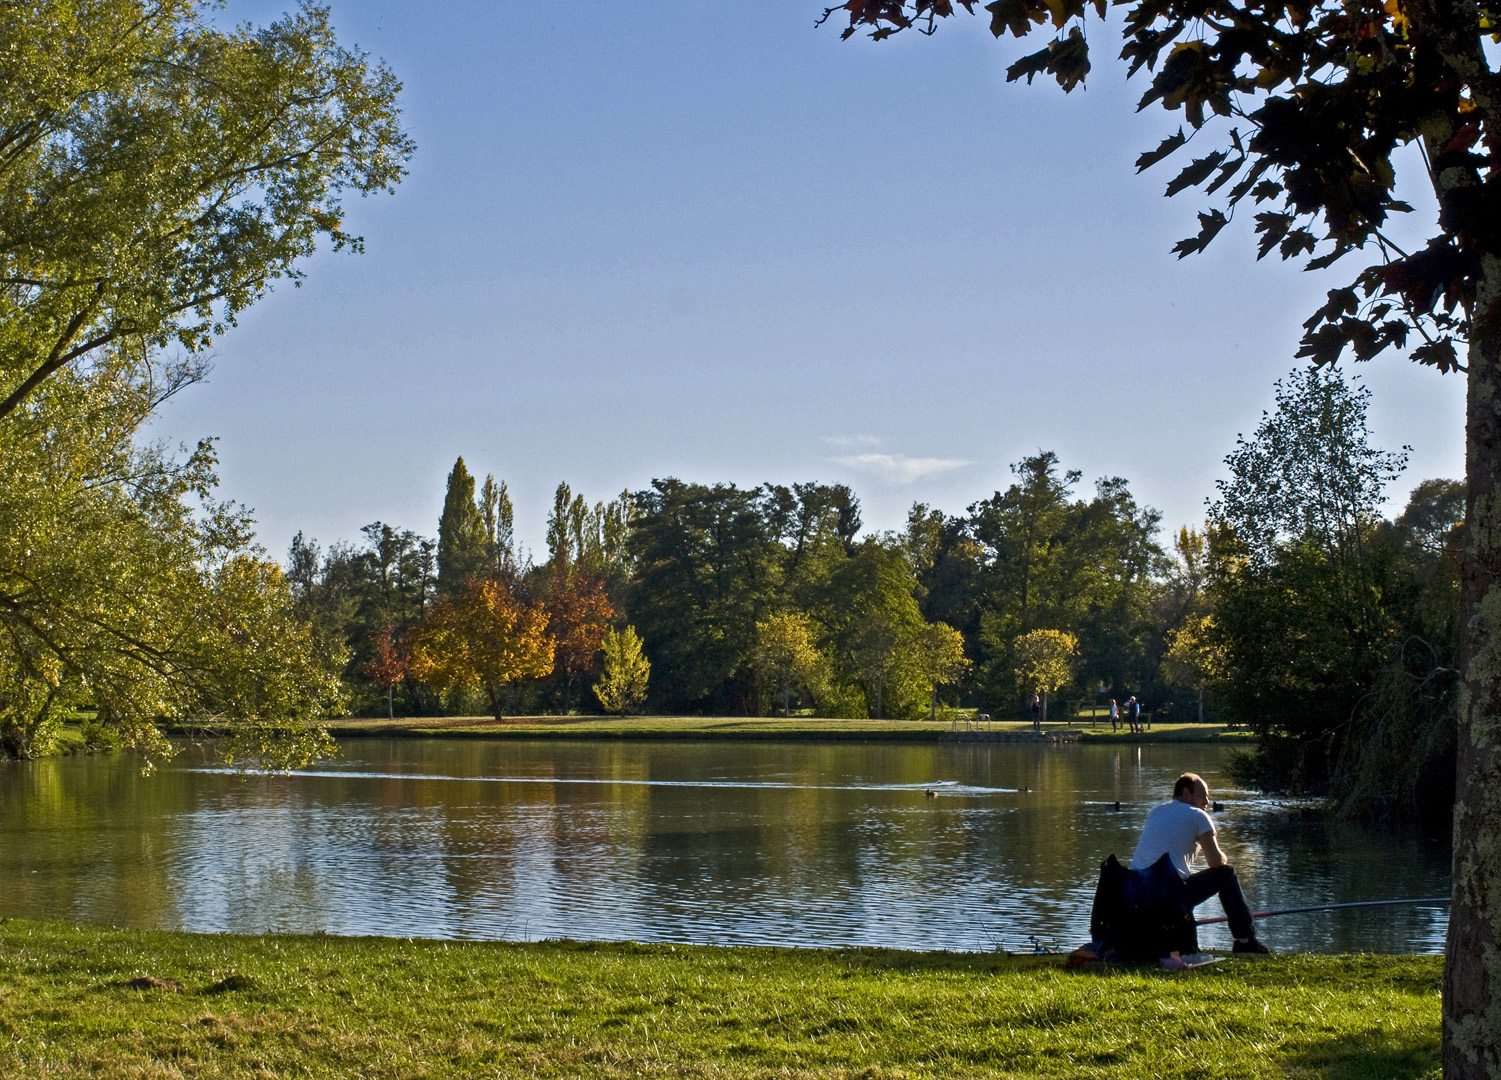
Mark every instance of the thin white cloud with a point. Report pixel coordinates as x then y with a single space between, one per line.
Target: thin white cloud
899 469
850 442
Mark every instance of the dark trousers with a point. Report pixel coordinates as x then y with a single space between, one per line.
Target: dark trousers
1221 880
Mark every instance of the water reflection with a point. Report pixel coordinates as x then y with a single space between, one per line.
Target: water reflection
733 843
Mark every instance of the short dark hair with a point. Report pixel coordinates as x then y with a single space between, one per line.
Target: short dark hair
1185 783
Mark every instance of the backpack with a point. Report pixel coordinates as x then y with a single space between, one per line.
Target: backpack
1142 915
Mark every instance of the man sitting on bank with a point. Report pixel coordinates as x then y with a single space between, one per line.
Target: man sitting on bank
1175 829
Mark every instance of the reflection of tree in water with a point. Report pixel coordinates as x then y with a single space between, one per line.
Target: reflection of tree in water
83 840
733 842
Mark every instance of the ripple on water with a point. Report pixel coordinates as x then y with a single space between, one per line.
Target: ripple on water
763 844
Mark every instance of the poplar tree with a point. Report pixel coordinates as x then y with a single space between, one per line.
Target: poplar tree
500 527
461 534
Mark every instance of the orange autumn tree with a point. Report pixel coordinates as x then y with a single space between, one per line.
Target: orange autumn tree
388 665
580 614
485 638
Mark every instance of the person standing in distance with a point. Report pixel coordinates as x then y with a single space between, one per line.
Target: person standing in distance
1176 829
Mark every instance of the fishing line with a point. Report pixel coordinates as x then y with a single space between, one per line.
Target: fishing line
1328 907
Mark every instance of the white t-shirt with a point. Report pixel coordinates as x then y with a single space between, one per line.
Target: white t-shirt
1174 829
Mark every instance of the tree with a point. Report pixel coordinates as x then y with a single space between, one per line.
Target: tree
462 543
1401 768
787 651
1309 474
594 539
388 665
500 530
1045 661
876 620
708 563
1194 656
116 595
1303 611
1052 560
159 174
1312 105
579 615
940 659
622 685
485 638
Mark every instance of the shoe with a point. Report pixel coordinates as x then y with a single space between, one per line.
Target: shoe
1250 947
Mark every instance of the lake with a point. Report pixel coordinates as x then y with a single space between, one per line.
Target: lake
734 843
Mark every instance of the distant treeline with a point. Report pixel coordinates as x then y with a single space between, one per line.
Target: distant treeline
1297 610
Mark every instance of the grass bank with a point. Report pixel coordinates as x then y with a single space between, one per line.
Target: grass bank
1169 733
100 1002
736 727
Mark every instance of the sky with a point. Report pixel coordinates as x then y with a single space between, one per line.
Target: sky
715 242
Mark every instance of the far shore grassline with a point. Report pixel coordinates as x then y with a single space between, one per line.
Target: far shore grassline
81 1001
731 728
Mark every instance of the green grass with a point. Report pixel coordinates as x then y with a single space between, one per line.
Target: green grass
98 1002
1167 733
739 727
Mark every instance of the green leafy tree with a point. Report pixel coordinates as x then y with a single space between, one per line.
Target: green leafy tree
116 595
1308 110
1045 661
365 598
1195 656
159 174
940 659
499 517
1301 609
462 541
1401 767
594 539
1024 529
622 684
872 610
787 651
1049 559
708 568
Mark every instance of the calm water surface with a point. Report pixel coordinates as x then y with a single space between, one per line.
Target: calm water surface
727 843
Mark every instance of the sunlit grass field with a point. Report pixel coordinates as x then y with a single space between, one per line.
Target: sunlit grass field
101 1002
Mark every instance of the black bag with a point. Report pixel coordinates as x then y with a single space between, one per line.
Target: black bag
1142 914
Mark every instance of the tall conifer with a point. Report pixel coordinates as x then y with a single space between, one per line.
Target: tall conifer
461 534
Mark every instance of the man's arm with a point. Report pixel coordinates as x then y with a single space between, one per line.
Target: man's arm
1211 848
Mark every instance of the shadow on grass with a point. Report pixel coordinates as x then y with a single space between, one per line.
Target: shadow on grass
1368 1055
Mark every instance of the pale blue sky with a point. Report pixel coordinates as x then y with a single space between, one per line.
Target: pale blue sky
710 241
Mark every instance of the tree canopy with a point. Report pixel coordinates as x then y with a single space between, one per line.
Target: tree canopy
158 174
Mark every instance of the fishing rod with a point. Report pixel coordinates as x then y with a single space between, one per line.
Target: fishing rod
1328 907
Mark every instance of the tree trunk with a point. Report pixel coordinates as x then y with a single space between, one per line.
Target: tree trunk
390 701
879 714
1472 967
497 696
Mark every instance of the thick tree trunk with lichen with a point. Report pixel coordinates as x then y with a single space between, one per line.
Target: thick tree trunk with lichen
1472 971
1472 966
